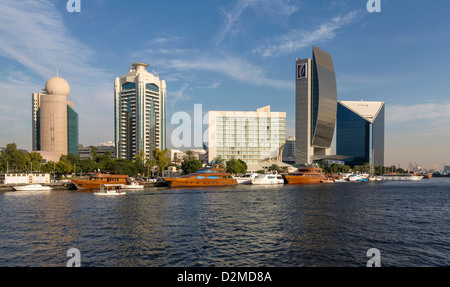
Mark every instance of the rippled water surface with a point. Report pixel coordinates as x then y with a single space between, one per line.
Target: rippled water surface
245 226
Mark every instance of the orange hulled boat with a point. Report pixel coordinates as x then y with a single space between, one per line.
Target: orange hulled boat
307 175
96 180
207 176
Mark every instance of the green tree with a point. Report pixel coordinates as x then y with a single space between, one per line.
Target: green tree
189 155
34 160
235 166
219 161
14 160
88 165
160 159
64 167
191 166
275 167
334 168
345 169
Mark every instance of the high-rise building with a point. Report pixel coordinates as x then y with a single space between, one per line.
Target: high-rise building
316 104
54 120
140 112
360 132
250 136
289 151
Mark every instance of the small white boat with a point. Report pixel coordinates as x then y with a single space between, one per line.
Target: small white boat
268 179
132 185
247 178
32 187
111 190
396 176
354 177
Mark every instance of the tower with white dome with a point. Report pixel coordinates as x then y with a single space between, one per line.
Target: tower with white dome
55 122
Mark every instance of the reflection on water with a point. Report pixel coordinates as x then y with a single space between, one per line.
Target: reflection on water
317 225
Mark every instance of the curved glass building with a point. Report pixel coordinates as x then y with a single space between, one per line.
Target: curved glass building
316 106
140 113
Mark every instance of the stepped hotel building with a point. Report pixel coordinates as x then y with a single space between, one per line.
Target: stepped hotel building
254 137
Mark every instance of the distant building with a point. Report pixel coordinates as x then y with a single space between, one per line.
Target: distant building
250 136
101 149
360 132
140 113
315 107
177 156
289 151
54 120
23 178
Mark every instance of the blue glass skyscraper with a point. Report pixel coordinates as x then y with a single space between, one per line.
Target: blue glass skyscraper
360 132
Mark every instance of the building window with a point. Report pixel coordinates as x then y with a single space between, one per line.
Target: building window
128 86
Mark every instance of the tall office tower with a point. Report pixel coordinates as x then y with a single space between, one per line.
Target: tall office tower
250 136
316 104
54 120
140 113
360 132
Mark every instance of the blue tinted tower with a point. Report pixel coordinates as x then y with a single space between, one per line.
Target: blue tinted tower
360 132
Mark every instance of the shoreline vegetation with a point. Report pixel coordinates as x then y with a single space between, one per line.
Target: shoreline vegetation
13 160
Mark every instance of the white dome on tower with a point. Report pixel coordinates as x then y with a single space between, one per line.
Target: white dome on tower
57 86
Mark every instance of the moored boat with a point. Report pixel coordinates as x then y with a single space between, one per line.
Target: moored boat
32 187
263 179
207 176
133 185
247 178
398 176
110 190
96 180
307 175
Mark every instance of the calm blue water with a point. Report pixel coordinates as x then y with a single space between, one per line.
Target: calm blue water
243 226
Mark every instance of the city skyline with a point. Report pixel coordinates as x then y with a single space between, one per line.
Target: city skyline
238 55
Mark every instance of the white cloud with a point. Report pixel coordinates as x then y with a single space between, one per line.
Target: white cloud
439 113
235 68
297 39
175 96
276 10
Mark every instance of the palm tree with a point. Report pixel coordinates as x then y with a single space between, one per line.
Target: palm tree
189 155
220 161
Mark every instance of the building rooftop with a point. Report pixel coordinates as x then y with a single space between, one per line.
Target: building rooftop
367 110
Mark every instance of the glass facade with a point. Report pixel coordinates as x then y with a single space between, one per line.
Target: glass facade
140 103
360 138
315 106
72 131
324 99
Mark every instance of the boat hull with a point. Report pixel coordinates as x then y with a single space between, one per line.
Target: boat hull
302 179
402 178
190 182
32 188
92 184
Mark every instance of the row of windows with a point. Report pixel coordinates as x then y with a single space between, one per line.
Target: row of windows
132 86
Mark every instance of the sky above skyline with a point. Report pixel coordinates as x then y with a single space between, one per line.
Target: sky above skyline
233 55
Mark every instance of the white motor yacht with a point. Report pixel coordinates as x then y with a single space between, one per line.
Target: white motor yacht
32 187
247 178
268 179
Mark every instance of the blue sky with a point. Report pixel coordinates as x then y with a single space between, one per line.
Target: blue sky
233 55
